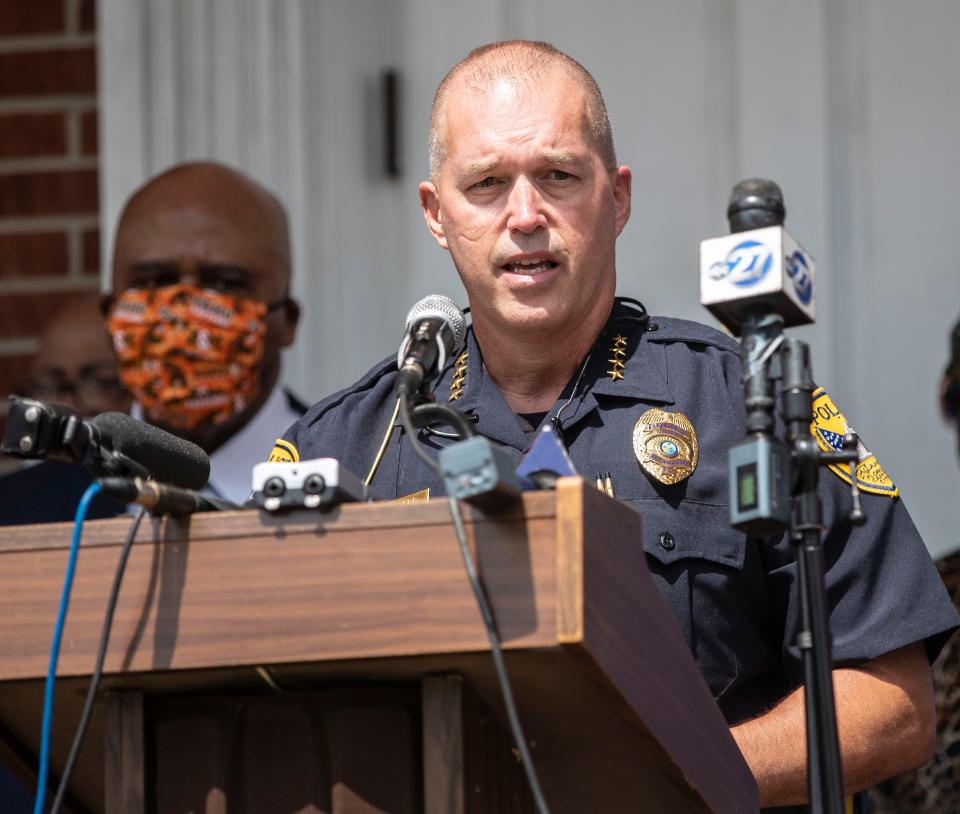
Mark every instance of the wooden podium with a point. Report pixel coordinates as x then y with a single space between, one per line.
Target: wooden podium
337 662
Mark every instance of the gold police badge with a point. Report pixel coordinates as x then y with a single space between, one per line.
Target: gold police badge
666 445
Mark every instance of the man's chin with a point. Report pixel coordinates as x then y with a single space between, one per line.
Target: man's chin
532 317
550 314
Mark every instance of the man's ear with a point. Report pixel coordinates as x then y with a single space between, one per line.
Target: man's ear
291 318
622 191
430 206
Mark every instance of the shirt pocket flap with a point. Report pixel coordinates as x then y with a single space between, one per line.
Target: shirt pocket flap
690 531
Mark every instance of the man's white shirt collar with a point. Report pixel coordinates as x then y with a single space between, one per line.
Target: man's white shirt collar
232 464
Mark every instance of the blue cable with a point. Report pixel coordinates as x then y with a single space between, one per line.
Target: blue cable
55 647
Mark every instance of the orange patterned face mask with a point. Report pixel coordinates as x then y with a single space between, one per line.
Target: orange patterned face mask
188 354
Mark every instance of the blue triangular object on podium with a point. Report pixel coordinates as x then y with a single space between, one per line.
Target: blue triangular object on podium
546 454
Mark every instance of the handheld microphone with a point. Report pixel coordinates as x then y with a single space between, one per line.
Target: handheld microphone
108 444
435 327
759 267
159 498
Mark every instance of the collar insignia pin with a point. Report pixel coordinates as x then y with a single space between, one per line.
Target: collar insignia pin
666 445
459 376
619 353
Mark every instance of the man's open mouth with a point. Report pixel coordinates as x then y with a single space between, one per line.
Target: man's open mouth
533 265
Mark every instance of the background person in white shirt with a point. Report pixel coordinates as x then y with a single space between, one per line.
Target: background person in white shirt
199 311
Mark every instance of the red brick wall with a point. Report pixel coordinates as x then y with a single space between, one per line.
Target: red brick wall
49 210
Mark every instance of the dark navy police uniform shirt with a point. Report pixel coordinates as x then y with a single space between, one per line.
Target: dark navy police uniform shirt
735 598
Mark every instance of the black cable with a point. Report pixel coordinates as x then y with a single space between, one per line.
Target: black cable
486 612
454 436
642 318
516 730
426 413
429 413
411 431
98 668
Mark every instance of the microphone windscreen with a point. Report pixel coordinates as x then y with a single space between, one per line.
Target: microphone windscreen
167 457
440 307
755 203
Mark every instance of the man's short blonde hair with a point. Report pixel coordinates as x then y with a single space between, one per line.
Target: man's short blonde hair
522 60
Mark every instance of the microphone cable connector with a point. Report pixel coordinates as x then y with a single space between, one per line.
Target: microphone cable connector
159 498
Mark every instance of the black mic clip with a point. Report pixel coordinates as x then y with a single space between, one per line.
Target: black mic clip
35 429
87 450
421 356
45 430
109 444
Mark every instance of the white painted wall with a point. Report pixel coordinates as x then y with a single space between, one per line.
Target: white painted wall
899 185
851 105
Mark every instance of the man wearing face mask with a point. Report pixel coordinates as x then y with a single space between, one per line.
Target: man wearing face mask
200 311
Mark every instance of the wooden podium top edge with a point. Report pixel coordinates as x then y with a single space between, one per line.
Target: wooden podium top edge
380 515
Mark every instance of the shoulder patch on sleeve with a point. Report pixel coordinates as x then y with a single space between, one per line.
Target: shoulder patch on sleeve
828 427
283 452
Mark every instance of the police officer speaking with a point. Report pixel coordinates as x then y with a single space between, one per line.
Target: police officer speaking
526 195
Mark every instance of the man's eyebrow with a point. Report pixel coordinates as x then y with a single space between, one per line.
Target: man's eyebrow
482 168
225 274
224 268
562 157
476 168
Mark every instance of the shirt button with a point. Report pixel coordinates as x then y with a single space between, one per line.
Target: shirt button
667 541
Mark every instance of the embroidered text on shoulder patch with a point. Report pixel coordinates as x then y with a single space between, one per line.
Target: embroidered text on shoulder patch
829 426
283 452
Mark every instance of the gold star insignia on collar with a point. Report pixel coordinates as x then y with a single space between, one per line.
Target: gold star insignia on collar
459 376
619 353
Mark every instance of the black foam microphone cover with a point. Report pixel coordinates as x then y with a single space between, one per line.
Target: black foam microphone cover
755 204
167 457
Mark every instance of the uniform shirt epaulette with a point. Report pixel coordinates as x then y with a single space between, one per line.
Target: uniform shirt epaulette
671 329
366 382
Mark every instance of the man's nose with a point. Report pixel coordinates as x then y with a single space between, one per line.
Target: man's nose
525 208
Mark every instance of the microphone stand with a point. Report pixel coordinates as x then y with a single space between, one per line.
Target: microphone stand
768 355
